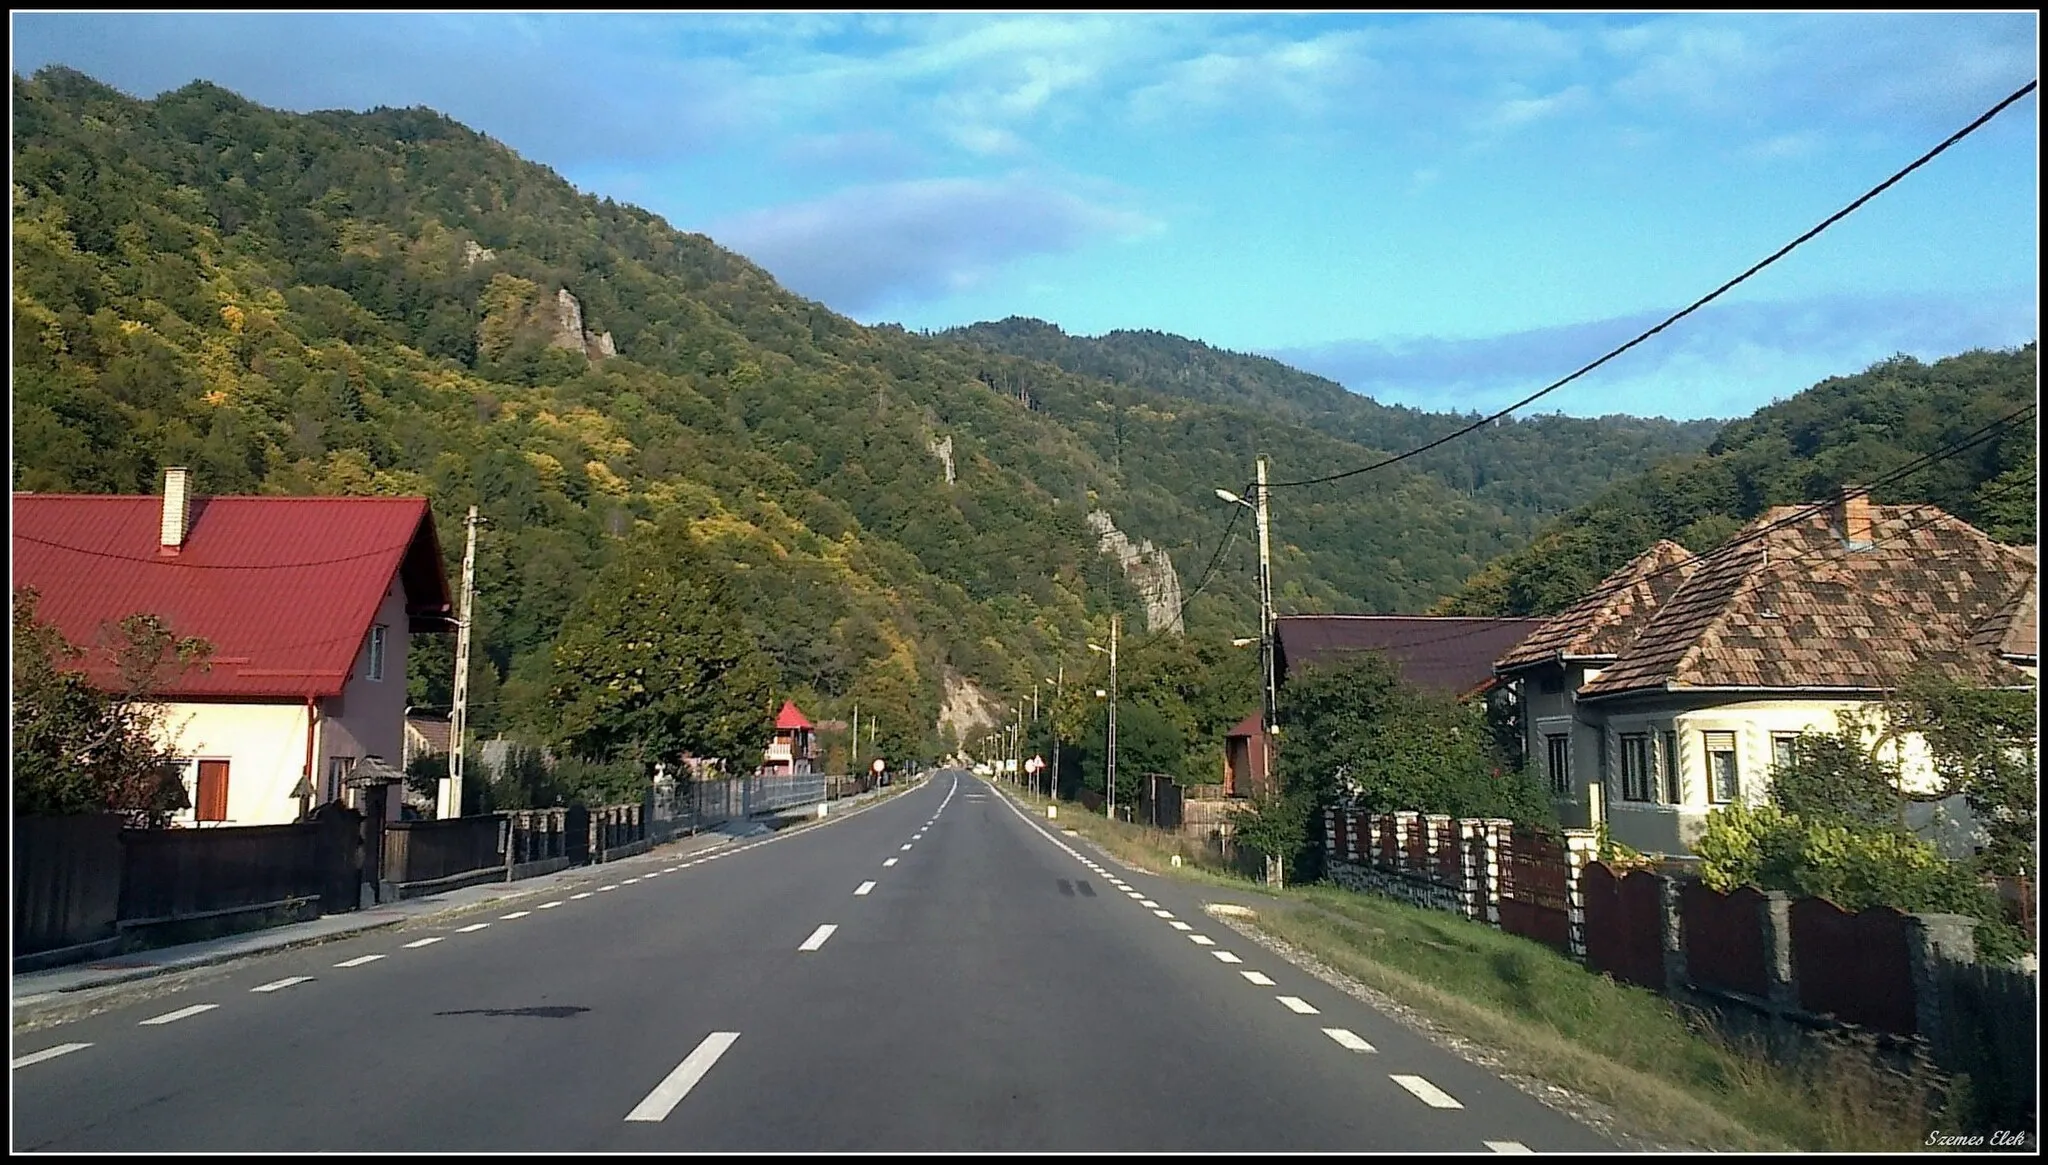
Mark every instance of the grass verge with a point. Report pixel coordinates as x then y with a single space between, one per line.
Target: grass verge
1664 1074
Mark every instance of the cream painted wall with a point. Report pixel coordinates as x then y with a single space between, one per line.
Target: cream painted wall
264 745
1673 828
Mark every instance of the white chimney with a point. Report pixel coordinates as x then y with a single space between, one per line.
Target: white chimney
177 508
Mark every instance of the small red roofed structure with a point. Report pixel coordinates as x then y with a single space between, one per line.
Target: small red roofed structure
795 747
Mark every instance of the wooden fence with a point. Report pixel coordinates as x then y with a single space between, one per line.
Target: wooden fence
1807 962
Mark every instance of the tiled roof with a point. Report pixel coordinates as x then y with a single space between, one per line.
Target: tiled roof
1794 607
2013 630
1251 725
434 730
789 717
284 588
1607 620
1448 654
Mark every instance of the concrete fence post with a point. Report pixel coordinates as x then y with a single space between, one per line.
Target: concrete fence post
1372 839
1330 831
1496 832
1776 921
1932 939
1672 903
1581 849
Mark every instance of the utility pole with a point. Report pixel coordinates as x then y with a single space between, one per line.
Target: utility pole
1267 658
1059 689
1114 624
458 721
854 762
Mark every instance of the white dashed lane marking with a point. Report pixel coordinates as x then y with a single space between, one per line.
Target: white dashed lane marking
1177 924
890 862
513 915
1201 940
281 984
1226 957
1164 913
1258 977
472 928
677 1084
1296 1004
48 1054
864 888
818 937
425 942
1148 903
359 960
1509 1147
906 845
181 1013
613 886
549 905
578 897
1348 1038
1426 1092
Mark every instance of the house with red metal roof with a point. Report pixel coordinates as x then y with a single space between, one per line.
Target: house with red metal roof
307 602
795 747
1680 683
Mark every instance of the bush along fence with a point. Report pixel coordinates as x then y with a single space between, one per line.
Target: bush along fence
1803 962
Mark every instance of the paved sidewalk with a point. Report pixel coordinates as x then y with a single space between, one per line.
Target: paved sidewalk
60 985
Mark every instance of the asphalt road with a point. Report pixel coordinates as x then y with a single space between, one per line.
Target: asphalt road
935 972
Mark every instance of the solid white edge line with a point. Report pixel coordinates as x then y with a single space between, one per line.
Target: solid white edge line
1349 1039
181 1013
1426 1092
281 984
48 1054
677 1084
818 937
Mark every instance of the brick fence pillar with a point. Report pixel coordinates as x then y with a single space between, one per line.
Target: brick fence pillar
1406 822
1581 849
1472 866
1673 912
1496 831
1433 830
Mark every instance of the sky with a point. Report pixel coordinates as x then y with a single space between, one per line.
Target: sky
1434 209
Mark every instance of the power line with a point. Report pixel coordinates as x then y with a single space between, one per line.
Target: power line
1798 515
1780 253
156 560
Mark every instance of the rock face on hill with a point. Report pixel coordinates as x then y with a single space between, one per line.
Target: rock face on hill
1148 569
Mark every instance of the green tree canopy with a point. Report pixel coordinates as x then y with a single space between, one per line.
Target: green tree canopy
653 666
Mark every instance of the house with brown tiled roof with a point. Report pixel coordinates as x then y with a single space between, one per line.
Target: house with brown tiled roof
1679 682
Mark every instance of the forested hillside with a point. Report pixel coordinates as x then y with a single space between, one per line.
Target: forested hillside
1529 467
388 302
1861 429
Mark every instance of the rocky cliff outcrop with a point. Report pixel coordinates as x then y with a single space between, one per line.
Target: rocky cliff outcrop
942 448
570 333
1145 567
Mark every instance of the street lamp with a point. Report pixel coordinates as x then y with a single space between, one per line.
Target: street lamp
1058 689
1268 712
1110 777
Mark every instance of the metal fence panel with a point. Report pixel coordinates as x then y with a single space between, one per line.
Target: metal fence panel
67 881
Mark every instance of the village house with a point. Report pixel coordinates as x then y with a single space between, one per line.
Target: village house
1676 685
308 603
1452 655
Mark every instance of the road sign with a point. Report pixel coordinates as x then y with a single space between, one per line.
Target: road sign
877 766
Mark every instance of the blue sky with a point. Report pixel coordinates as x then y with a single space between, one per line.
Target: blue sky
1439 210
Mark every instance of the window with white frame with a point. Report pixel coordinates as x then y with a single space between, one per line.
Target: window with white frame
1674 793
1784 750
1724 778
1558 757
376 668
1638 779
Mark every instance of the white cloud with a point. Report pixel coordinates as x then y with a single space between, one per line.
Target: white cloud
860 247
